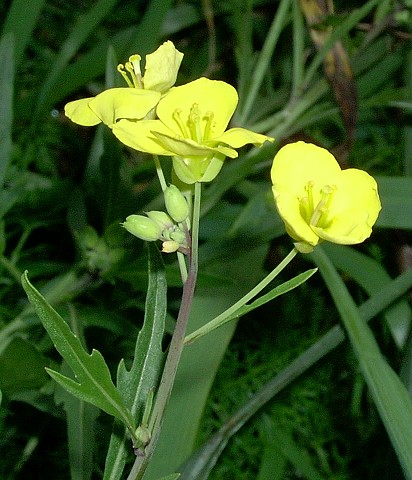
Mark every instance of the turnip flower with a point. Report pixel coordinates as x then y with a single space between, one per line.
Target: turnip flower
138 99
191 128
317 200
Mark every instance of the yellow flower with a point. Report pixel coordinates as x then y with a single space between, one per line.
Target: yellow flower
138 99
191 127
318 201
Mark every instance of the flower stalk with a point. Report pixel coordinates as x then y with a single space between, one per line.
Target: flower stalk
175 348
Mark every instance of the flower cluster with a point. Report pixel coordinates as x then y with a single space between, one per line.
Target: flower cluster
187 123
317 200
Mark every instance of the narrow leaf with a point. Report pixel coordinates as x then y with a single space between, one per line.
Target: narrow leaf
224 318
81 431
275 292
22 22
6 104
390 395
95 384
85 25
135 384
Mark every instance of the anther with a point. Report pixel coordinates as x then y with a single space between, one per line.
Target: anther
178 119
208 132
120 69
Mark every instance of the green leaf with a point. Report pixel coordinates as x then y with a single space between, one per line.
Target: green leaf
22 22
143 377
85 25
201 462
95 384
282 440
396 197
140 39
388 392
81 430
199 362
371 276
21 367
6 104
275 292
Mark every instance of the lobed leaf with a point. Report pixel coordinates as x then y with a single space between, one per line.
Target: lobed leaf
94 381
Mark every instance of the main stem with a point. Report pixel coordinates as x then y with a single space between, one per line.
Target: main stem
175 348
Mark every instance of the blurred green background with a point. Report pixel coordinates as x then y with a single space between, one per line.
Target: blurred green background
339 78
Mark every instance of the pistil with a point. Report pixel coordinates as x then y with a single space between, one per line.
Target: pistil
194 123
320 215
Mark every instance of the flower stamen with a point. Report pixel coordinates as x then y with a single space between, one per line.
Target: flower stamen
133 69
177 117
120 69
320 215
208 132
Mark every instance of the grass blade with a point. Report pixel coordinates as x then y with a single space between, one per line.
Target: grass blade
84 27
21 20
6 104
390 395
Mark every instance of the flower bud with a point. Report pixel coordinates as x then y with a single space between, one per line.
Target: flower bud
178 236
142 227
161 218
170 246
176 204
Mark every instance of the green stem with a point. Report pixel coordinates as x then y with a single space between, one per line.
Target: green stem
159 172
182 266
11 268
222 318
175 348
265 58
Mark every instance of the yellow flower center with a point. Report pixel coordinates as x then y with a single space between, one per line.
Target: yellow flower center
196 127
318 215
132 69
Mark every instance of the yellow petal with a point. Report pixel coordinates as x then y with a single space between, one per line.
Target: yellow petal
298 163
287 204
117 103
138 135
79 112
237 137
162 67
355 207
214 96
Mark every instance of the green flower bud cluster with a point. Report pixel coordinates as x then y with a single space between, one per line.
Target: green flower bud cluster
171 228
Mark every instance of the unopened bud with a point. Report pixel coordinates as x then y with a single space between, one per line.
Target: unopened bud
176 204
178 236
143 436
161 218
142 227
170 246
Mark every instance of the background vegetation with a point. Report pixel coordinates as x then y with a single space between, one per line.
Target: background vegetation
64 189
